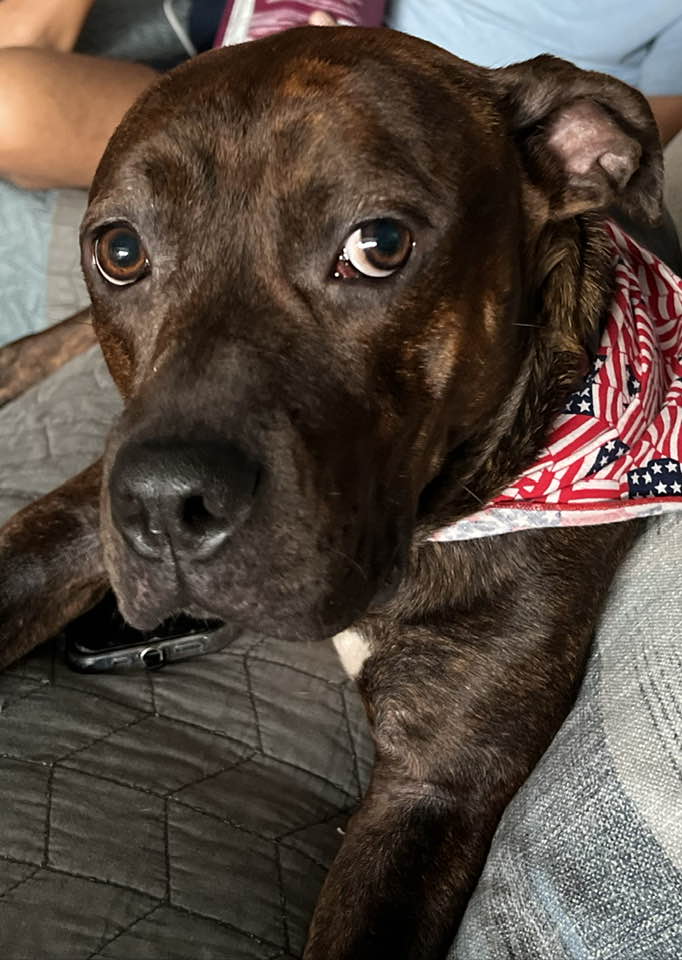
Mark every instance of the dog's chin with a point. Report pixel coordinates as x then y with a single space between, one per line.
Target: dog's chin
146 616
300 629
145 611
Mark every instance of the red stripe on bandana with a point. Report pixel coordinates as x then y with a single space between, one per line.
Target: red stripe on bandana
616 451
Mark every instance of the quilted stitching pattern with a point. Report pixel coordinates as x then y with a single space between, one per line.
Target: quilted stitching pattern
133 822
55 431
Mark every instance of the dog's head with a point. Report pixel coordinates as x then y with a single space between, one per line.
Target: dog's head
316 264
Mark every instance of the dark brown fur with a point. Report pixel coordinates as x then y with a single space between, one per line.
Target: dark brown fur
377 411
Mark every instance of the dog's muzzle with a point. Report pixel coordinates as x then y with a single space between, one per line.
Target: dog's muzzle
181 498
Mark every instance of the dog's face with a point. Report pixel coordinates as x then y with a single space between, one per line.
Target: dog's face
308 264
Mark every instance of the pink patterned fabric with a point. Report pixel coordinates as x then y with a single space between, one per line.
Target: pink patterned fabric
615 452
251 19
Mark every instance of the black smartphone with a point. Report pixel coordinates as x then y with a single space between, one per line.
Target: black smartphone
100 640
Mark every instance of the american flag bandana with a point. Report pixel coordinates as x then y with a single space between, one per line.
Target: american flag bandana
614 453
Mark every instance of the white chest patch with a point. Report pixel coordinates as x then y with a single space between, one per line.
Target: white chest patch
353 649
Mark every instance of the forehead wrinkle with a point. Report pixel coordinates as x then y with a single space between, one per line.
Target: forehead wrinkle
373 159
319 105
289 136
179 170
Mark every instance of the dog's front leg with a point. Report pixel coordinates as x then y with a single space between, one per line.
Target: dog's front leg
459 721
50 564
400 881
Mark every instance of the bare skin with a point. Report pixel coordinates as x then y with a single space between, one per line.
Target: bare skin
58 111
53 24
667 113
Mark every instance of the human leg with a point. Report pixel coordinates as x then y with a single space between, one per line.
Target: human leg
57 112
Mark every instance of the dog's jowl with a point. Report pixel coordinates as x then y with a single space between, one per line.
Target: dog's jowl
345 283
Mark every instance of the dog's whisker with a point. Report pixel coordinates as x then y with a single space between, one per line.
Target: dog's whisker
353 563
472 494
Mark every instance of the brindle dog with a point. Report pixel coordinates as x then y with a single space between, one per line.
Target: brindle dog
343 281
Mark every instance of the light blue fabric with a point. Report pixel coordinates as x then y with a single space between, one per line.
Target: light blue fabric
640 43
25 231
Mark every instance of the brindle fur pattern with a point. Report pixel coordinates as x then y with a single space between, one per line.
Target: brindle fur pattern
29 360
379 410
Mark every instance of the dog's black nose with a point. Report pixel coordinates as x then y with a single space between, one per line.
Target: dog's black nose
189 496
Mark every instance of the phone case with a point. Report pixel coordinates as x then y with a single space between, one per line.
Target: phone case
100 640
147 656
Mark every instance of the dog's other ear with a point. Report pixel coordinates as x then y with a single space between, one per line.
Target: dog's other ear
588 140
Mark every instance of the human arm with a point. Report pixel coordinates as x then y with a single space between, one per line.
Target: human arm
58 111
54 24
667 112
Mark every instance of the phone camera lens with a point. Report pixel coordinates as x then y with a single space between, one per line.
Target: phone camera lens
152 658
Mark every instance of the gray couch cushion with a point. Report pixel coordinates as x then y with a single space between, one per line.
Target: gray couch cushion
25 228
191 813
54 431
40 272
587 862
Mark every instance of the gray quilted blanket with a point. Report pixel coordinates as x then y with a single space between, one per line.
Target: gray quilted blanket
190 814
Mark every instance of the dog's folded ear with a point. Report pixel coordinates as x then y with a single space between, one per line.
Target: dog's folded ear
588 140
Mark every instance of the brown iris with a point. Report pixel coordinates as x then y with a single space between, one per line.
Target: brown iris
376 249
120 255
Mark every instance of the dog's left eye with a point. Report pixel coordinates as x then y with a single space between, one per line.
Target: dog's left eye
120 255
376 249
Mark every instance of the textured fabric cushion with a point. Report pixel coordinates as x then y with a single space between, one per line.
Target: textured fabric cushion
191 813
40 271
55 430
587 862
25 219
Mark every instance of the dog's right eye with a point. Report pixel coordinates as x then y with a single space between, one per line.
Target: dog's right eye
374 250
120 255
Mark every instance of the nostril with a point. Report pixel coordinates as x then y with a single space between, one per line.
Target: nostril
196 515
140 524
202 524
